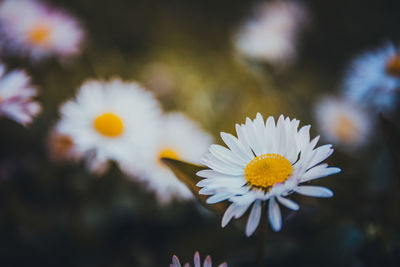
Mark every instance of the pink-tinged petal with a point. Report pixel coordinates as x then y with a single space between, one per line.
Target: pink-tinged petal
175 261
207 262
197 262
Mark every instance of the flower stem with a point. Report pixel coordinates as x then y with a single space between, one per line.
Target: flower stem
262 240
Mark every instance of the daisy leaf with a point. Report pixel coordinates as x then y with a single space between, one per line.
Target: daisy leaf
186 173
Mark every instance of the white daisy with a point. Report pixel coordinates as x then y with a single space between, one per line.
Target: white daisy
374 78
271 35
16 96
267 162
112 120
197 263
343 122
38 30
182 139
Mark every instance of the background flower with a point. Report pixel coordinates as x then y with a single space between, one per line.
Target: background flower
271 36
38 30
373 80
112 120
16 96
181 139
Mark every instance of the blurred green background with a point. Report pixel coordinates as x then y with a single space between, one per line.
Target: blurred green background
60 215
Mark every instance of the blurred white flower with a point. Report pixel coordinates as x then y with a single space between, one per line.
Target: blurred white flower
271 36
180 138
37 30
61 147
267 162
197 263
374 78
16 96
112 120
343 122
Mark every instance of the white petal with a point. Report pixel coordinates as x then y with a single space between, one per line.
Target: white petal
252 139
274 213
227 155
223 265
206 191
270 134
254 218
214 174
243 139
233 211
320 154
218 198
222 168
314 191
235 146
243 200
319 171
288 203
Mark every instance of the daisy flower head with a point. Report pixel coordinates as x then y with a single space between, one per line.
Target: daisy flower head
267 162
38 30
373 79
181 139
343 122
112 120
16 96
271 36
197 262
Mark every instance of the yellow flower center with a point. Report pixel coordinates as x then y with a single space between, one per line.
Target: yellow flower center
393 66
39 34
346 130
109 125
267 170
167 153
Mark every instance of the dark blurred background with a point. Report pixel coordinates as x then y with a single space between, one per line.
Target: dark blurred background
60 215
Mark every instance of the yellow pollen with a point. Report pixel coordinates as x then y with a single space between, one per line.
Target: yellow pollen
109 125
346 130
393 66
267 170
39 34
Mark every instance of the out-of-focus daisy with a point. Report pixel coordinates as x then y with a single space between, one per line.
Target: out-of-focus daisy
16 96
38 30
374 78
61 146
343 122
267 162
197 263
180 139
271 36
112 120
